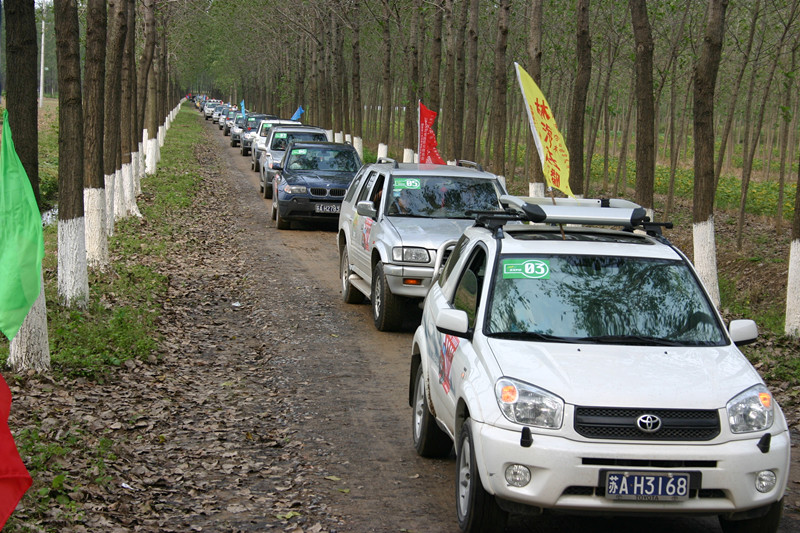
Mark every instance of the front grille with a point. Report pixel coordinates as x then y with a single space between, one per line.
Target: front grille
620 424
322 191
319 191
338 192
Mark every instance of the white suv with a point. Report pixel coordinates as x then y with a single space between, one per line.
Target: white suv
580 369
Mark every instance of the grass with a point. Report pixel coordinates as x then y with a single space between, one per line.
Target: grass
119 322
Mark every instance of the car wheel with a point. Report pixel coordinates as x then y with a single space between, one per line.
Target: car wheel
477 509
763 524
233 143
429 439
280 222
256 164
274 211
350 294
266 192
386 307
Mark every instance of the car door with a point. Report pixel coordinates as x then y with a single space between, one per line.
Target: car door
361 228
453 355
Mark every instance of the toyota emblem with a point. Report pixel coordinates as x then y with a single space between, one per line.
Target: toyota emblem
648 423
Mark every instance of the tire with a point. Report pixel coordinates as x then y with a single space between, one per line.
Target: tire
280 222
350 294
256 165
274 211
387 309
477 510
764 524
233 143
429 439
267 189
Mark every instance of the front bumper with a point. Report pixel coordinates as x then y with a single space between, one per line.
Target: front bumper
246 143
304 208
395 274
566 474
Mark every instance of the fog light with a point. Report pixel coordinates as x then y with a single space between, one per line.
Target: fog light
765 480
518 475
412 281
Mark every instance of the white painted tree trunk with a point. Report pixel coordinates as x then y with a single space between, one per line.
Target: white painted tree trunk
162 136
348 138
408 155
358 144
73 275
119 196
536 190
129 188
150 156
137 188
30 348
110 180
94 207
383 150
329 133
705 257
792 326
142 166
338 137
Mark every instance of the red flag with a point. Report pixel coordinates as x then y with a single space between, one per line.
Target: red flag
14 477
427 138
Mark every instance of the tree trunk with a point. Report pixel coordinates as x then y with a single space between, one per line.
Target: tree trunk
411 60
705 79
436 61
645 111
622 163
500 89
460 79
786 120
145 62
358 106
581 88
386 103
536 180
448 114
471 90
792 322
94 87
117 30
73 277
127 144
29 349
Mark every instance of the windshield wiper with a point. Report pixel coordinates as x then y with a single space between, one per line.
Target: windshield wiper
528 336
638 340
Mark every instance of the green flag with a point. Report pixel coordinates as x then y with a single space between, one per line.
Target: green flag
21 240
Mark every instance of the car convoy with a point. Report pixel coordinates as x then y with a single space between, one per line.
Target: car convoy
567 352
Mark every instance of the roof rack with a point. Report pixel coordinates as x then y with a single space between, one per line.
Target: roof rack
469 164
383 160
581 211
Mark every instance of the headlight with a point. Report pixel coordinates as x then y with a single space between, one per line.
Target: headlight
294 189
411 255
525 404
751 410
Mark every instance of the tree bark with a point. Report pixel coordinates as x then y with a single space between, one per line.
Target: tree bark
29 349
645 111
792 322
580 89
73 280
705 80
471 94
436 61
386 103
460 79
786 120
21 90
448 114
117 30
411 60
536 181
94 109
500 89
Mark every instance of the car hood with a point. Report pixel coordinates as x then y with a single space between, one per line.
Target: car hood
429 232
312 178
633 376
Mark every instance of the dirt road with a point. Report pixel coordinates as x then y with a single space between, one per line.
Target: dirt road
349 390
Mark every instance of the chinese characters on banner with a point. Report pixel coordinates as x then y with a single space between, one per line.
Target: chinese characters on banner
552 150
427 138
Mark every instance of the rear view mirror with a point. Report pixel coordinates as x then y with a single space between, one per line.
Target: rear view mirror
743 332
365 208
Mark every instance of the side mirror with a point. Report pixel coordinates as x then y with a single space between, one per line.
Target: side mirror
743 332
452 322
276 165
366 209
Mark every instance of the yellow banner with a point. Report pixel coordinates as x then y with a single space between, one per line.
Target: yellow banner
549 142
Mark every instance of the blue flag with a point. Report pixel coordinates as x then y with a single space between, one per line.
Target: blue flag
298 113
241 104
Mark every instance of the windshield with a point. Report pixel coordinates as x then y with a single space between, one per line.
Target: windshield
331 159
441 197
598 299
282 139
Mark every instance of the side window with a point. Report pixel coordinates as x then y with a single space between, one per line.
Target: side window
377 192
452 259
468 292
354 186
362 195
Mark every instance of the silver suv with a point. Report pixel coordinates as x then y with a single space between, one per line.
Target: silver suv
275 148
396 225
260 139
